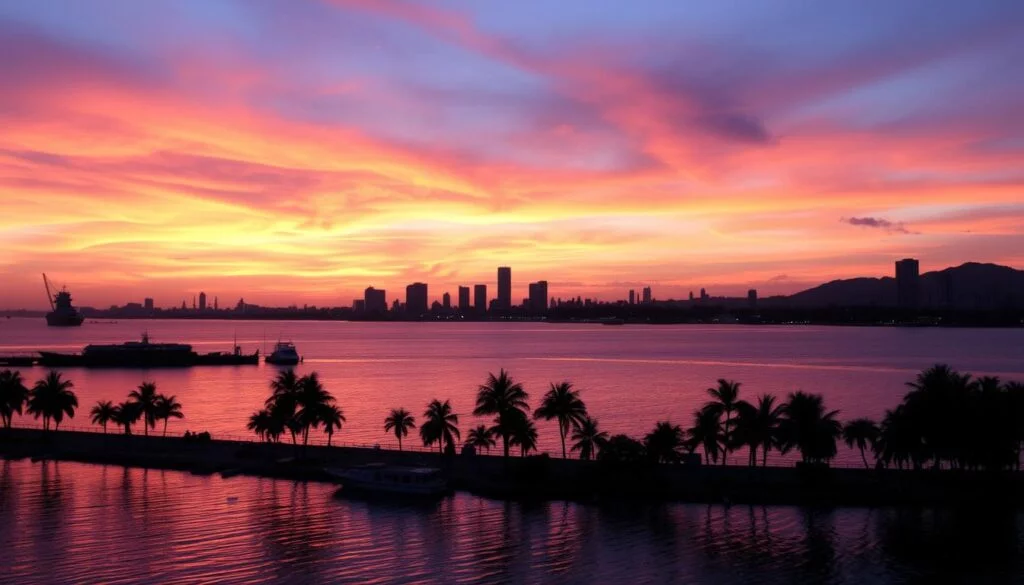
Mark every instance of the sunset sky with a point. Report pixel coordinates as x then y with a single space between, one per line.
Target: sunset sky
298 151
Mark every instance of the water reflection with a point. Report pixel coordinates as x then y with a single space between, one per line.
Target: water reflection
68 522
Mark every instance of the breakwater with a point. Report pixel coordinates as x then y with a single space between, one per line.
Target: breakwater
538 478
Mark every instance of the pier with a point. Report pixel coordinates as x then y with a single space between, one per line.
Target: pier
535 478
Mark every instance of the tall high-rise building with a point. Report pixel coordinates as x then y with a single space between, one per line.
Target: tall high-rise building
908 286
647 295
632 297
480 298
202 301
538 301
504 288
464 299
148 303
375 300
703 295
216 305
416 299
752 298
446 301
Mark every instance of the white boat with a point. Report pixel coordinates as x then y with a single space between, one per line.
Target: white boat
284 354
378 478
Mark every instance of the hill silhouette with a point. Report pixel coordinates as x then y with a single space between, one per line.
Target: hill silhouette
970 286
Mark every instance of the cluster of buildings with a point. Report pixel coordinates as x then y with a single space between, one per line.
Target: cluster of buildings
471 301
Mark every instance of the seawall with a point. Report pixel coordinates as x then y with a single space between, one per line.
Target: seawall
536 477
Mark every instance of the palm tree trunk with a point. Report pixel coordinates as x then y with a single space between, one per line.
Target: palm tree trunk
329 437
165 427
764 457
753 455
863 458
562 433
504 439
399 442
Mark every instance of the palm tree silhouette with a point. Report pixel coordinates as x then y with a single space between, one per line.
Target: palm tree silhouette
757 426
332 417
563 404
399 421
724 398
480 438
588 438
862 432
13 395
809 428
707 432
103 413
283 401
504 398
312 401
523 433
145 396
260 422
167 407
440 425
51 398
126 414
663 443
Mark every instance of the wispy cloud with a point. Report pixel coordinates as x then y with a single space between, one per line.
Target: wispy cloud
878 223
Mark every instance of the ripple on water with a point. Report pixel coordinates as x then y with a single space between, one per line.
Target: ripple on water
75 523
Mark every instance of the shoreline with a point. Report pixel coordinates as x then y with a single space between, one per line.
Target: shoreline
535 478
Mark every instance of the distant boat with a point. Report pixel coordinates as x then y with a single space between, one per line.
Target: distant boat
144 354
63 313
284 354
381 479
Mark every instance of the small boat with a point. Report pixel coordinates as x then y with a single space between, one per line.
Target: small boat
284 354
381 479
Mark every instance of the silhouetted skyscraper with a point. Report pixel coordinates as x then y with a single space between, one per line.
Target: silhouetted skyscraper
752 298
647 295
480 298
202 301
504 288
632 297
375 300
908 287
446 301
416 298
464 299
148 303
703 295
538 302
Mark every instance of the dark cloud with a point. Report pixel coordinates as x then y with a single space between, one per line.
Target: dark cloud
879 223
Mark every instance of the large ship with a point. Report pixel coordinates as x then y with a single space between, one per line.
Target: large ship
144 354
62 312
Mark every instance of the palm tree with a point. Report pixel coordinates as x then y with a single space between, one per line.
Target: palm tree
168 407
724 398
103 413
283 401
588 438
862 432
13 395
663 442
332 417
260 422
312 401
480 438
126 414
51 398
807 427
440 425
145 396
504 398
563 404
523 433
707 432
757 426
400 421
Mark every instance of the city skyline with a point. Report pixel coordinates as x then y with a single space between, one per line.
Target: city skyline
298 152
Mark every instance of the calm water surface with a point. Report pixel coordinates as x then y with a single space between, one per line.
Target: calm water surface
631 376
64 522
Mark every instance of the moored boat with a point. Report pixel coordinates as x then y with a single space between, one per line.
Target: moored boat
144 354
62 313
284 354
393 480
